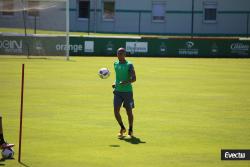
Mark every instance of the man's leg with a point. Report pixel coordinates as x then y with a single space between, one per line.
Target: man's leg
130 121
118 117
1 132
117 105
119 120
3 144
129 105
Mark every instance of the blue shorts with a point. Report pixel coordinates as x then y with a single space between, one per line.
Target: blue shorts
125 98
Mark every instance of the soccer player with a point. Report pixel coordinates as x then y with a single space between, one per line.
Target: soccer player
3 144
123 92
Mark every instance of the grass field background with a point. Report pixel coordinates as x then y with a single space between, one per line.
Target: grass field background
31 31
187 110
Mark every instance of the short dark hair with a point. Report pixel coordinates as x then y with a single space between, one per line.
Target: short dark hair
121 50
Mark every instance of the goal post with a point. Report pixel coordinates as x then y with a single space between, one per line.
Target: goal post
36 28
67 29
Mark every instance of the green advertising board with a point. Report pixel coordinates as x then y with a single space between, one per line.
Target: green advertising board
33 45
163 47
135 46
200 48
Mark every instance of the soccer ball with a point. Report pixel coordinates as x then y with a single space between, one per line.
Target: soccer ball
103 73
8 153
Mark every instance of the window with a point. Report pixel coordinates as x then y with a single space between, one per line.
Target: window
158 11
8 7
33 8
84 9
108 10
210 12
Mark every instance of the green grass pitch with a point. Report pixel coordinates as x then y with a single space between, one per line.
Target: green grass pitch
187 110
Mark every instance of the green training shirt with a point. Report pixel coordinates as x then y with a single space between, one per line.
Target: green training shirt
122 72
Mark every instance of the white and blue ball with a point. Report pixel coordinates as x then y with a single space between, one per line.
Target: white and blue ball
8 153
104 73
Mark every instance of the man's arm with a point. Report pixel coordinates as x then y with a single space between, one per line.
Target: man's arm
113 85
132 75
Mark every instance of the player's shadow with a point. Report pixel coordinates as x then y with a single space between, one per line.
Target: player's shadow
133 140
21 163
1 160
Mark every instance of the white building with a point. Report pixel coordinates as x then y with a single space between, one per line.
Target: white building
169 17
